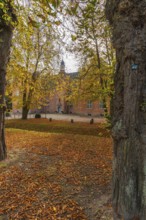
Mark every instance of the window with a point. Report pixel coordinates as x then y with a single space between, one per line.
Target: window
89 104
101 105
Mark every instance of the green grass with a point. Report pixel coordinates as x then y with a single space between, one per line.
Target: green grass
43 125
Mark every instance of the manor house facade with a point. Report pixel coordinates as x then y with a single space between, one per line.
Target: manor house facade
58 104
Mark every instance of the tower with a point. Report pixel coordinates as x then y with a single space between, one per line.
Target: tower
62 67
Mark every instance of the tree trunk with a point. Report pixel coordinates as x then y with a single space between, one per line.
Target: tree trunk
128 20
5 43
25 108
27 98
25 111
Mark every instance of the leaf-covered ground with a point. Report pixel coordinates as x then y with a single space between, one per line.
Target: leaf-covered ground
60 173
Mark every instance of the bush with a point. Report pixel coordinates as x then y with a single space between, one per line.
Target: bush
92 121
8 114
37 116
50 119
72 121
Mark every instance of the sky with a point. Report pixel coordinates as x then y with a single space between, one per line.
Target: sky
71 62
70 59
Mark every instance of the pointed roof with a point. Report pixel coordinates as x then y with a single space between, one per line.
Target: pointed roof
62 63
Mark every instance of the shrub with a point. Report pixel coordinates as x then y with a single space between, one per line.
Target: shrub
37 116
72 121
50 119
8 114
91 121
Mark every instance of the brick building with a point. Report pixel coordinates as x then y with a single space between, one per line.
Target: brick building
58 104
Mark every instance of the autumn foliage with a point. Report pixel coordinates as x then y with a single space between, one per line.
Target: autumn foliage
51 174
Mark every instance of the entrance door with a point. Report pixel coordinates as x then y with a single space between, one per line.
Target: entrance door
59 109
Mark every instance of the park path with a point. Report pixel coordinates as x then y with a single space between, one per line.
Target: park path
63 117
76 118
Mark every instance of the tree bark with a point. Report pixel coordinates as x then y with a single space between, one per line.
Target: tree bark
25 111
27 99
6 30
128 21
5 43
25 108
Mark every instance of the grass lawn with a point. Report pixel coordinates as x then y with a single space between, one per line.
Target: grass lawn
56 171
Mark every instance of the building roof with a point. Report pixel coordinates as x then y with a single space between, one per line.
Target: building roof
73 75
62 63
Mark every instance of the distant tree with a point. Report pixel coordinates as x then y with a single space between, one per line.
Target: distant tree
92 39
7 23
90 79
30 70
30 65
128 21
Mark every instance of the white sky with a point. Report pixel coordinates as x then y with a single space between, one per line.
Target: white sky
71 63
70 59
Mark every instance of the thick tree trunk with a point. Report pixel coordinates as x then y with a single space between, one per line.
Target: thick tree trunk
5 43
25 111
128 20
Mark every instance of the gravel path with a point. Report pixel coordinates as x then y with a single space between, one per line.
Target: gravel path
63 117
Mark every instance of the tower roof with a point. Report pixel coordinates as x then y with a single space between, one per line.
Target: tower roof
62 63
62 67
